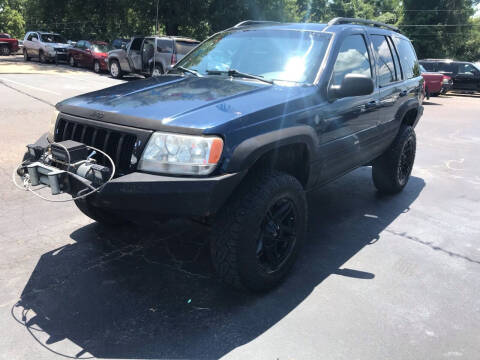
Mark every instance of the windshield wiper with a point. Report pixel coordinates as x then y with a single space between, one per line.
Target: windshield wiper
187 70
236 73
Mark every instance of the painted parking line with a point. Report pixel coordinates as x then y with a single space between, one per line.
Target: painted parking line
29 86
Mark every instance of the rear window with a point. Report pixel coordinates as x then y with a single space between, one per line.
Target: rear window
428 66
183 47
408 58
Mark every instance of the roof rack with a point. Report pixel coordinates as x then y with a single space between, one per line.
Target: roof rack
343 20
255 22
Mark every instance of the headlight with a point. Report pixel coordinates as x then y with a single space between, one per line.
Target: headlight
446 81
51 125
181 154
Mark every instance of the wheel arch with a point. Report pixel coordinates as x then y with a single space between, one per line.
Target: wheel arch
289 150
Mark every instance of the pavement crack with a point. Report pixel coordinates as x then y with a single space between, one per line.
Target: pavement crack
432 246
26 94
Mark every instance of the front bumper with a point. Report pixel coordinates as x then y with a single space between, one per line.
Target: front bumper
167 195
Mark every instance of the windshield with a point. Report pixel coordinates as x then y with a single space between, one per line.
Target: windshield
282 55
101 48
52 38
183 47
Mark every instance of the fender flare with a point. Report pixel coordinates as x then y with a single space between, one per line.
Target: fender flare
251 149
411 104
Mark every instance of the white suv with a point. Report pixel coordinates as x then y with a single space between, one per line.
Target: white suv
45 46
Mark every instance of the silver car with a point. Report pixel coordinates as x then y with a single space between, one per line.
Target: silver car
45 46
149 56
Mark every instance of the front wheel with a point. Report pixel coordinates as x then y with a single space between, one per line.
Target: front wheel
25 55
96 66
256 237
42 57
391 171
71 61
115 70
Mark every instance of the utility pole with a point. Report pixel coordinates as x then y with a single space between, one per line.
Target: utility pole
156 20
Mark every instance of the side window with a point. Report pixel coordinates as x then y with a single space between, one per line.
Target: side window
33 36
396 58
136 44
80 44
447 67
352 58
428 66
385 66
408 58
87 45
164 45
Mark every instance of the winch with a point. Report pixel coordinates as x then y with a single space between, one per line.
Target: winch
66 167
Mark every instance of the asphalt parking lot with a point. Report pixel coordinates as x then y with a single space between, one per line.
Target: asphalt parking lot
379 278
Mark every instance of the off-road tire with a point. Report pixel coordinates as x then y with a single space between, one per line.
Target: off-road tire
389 176
117 75
25 55
236 230
99 215
4 50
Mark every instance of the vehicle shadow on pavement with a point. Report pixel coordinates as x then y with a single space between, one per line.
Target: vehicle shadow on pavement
151 293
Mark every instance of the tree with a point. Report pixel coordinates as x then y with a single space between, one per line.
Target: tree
11 17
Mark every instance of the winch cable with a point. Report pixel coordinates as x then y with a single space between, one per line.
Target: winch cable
27 186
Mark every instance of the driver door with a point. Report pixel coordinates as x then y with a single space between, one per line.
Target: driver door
135 54
467 77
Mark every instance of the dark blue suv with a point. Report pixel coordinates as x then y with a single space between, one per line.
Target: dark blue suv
237 132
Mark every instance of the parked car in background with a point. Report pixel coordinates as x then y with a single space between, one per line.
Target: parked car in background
119 43
149 56
435 83
45 46
465 75
90 54
8 45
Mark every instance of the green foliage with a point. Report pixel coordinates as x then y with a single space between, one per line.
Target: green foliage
109 19
11 18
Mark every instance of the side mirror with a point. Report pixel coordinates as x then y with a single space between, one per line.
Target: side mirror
123 47
352 85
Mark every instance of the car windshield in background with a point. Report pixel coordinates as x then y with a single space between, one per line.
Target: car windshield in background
52 38
184 47
4 36
101 48
274 55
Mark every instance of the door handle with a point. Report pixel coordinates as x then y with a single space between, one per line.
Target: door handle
371 104
403 93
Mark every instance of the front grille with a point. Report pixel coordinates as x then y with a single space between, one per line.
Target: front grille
118 145
61 50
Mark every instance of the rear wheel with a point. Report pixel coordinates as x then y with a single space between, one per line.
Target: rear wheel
101 216
4 50
392 170
256 237
42 57
115 70
156 70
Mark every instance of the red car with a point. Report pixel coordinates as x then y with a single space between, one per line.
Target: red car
8 45
435 83
90 54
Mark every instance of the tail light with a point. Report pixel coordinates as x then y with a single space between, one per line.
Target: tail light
174 59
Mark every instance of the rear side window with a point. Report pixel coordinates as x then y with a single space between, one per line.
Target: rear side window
467 69
428 66
385 65
165 46
352 58
183 47
408 58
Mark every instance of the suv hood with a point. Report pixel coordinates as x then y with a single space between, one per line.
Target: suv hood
190 103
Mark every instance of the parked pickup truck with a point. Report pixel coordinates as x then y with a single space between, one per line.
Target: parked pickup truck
435 83
237 133
8 45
